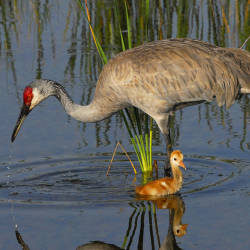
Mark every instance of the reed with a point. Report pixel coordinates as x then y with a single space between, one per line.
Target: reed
140 135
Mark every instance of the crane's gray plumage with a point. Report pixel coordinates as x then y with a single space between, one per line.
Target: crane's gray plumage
158 77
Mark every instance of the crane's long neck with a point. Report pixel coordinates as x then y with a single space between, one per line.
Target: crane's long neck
97 110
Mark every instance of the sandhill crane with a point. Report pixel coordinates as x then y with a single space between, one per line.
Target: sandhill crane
157 77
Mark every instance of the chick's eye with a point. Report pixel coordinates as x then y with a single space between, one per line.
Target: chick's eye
175 159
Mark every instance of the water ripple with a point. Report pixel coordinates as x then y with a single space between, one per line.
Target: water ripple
83 180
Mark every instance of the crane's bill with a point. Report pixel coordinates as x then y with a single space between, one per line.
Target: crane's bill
23 114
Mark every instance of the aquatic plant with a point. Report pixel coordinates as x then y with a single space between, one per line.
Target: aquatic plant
140 134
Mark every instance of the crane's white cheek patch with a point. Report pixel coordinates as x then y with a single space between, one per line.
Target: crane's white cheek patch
36 98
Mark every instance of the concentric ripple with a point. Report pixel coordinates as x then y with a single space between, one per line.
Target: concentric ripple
210 174
65 181
83 180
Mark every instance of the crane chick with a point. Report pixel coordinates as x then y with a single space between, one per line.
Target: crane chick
166 185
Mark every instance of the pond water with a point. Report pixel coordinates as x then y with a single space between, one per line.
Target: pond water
54 192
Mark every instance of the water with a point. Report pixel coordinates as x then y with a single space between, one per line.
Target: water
53 182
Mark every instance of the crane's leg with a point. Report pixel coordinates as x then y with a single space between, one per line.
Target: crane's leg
163 122
169 149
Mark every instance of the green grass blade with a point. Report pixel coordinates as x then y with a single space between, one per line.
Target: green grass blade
131 120
138 121
142 146
126 123
137 150
150 142
97 44
146 18
147 149
119 26
122 40
142 158
128 26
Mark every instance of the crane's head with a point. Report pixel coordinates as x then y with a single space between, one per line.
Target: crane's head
176 159
31 98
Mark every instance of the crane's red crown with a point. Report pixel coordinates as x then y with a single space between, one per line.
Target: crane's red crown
27 95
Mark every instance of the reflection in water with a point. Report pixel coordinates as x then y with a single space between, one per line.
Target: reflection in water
95 245
98 245
21 241
176 207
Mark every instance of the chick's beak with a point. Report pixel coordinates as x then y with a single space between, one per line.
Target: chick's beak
181 164
23 114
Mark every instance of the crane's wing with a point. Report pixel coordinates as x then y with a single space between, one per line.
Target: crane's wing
180 70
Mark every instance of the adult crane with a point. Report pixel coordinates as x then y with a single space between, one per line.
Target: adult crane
157 77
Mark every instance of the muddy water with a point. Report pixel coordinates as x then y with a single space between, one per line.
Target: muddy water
53 185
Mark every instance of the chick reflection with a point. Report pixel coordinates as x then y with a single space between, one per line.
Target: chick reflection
176 207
